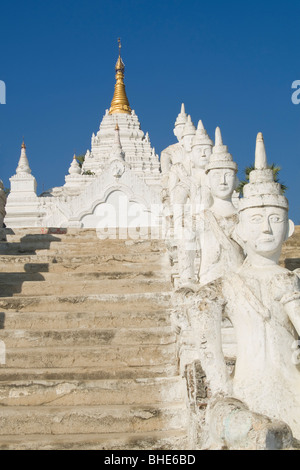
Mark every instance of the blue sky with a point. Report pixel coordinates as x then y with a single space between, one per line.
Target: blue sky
232 63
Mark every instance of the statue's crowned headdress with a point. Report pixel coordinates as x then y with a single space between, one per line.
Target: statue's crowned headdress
220 157
182 117
201 137
189 128
262 190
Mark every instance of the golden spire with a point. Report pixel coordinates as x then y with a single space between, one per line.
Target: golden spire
120 103
23 146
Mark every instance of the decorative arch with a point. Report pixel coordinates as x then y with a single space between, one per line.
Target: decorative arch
75 211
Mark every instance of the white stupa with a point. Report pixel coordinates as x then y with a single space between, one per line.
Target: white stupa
120 169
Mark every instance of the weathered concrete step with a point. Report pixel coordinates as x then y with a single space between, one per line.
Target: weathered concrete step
64 253
80 337
111 267
86 356
158 440
18 278
91 258
132 302
98 372
91 419
96 392
81 235
95 246
41 243
117 286
36 321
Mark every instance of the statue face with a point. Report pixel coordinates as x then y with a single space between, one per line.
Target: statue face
222 182
187 142
264 229
201 155
178 130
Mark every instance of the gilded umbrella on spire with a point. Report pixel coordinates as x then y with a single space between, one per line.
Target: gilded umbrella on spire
120 103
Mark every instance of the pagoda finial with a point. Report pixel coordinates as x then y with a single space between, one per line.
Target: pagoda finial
23 165
120 103
74 167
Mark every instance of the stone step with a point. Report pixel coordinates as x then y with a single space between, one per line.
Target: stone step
94 252
130 302
89 356
79 337
158 440
92 392
44 288
98 419
21 277
95 246
110 267
75 260
142 318
98 372
81 235
90 353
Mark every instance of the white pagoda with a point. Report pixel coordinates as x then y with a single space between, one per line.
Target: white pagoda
117 185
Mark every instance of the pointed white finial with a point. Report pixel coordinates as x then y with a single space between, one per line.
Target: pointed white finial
218 137
182 117
260 153
23 165
201 137
200 127
220 157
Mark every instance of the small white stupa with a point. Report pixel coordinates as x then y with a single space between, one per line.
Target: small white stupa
22 207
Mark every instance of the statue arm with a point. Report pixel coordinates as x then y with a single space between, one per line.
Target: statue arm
292 309
165 162
173 180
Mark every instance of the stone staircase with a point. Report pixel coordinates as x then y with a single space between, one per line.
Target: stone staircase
90 356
